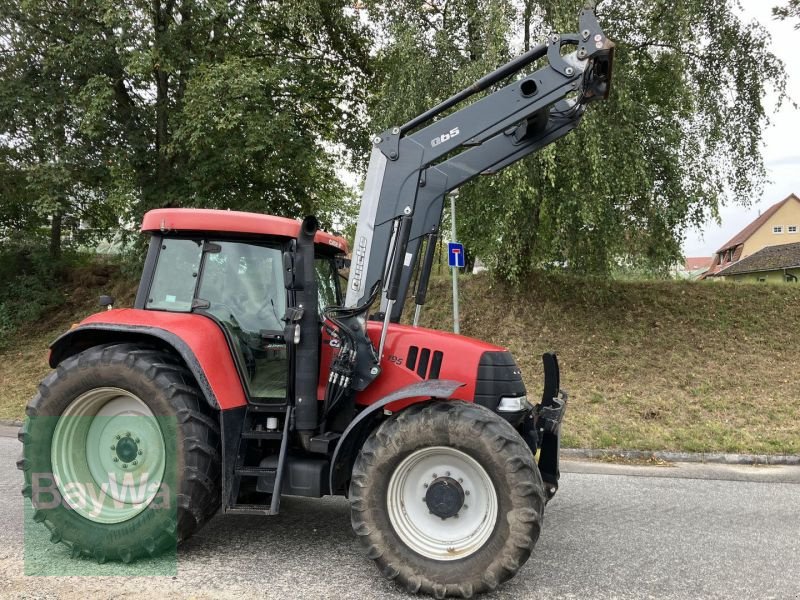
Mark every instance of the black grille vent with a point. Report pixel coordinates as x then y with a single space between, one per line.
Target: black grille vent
427 364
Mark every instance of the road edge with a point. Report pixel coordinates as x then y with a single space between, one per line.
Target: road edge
690 457
635 455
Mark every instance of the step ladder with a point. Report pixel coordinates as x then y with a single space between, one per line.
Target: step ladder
253 431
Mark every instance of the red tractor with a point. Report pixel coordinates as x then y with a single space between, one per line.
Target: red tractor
244 372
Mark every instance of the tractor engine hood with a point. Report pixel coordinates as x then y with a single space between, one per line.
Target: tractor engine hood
414 354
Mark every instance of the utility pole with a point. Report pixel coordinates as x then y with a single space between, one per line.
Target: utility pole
456 324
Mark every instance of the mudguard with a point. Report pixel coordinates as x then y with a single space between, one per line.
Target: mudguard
195 338
353 437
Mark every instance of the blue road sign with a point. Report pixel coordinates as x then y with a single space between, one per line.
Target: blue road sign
455 255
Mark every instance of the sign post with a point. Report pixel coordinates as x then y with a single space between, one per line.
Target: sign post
455 258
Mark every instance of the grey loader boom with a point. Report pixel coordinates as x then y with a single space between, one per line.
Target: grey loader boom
413 166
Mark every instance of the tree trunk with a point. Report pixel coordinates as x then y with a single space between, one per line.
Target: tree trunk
161 24
473 31
526 21
162 127
55 236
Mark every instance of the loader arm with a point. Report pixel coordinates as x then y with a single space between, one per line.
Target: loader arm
486 159
413 166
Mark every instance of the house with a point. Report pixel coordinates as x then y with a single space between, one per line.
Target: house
778 225
773 263
693 267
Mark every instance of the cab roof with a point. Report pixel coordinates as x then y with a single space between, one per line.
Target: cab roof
231 221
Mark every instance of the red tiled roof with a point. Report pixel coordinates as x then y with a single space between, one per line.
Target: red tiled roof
717 265
695 263
744 234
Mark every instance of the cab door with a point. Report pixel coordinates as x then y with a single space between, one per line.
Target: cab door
241 287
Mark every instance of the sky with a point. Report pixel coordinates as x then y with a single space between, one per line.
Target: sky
781 142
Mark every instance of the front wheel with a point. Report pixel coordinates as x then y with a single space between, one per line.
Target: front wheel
447 499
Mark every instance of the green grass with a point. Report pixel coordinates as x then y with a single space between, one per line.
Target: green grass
655 365
23 358
703 367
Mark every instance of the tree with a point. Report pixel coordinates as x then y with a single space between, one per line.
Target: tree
51 169
115 108
679 135
16 213
791 10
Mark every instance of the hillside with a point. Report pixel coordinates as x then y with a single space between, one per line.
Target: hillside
649 365
23 358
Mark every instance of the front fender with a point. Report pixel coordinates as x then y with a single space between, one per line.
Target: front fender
196 339
353 437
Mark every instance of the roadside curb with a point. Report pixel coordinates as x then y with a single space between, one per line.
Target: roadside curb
692 457
689 457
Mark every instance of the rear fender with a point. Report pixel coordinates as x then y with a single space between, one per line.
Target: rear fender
201 345
365 422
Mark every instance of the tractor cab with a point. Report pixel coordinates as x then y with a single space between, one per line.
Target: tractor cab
229 267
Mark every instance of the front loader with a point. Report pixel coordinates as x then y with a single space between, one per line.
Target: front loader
245 373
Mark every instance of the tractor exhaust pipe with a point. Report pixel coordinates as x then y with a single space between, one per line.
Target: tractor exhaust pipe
306 364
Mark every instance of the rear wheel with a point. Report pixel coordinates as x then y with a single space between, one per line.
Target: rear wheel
121 453
447 499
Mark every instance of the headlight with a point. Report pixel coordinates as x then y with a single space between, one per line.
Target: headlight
516 404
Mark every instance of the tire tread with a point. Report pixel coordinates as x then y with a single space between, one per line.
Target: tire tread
525 485
198 498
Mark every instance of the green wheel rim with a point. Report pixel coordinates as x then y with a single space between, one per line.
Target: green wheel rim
108 455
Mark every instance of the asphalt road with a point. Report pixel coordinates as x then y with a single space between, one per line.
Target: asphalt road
686 531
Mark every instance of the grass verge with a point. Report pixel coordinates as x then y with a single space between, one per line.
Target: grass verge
23 359
684 366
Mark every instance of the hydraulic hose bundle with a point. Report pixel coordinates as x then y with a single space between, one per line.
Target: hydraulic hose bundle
343 364
346 371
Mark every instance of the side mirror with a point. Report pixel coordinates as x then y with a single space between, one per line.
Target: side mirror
107 301
291 276
342 262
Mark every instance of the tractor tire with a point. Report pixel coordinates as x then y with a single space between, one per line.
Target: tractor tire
111 412
446 498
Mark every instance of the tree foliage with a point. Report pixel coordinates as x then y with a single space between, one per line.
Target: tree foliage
679 135
108 109
790 10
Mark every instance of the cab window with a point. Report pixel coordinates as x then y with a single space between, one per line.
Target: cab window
327 283
175 276
240 285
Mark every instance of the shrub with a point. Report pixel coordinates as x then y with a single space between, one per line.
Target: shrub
31 285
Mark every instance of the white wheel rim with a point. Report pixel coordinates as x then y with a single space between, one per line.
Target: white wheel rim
86 464
427 534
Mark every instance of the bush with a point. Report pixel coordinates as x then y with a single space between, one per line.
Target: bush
30 287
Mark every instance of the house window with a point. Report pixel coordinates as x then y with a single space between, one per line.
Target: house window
792 228
777 229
